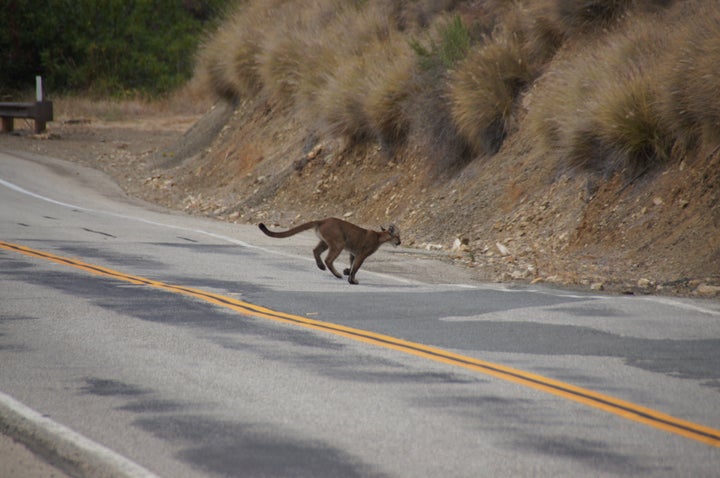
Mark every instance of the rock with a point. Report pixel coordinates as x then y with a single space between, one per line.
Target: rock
504 251
299 164
644 283
657 201
315 151
707 290
461 244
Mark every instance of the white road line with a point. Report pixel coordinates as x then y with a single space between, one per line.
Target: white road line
682 305
84 456
21 190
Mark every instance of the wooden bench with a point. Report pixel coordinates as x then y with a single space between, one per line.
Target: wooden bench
40 111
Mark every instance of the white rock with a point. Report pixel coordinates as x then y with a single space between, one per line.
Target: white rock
707 290
460 244
644 283
503 250
519 274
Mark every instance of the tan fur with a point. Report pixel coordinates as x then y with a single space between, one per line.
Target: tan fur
336 235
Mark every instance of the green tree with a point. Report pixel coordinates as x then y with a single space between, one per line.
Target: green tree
102 46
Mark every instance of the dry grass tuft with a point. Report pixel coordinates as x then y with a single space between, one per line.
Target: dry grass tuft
628 132
227 59
356 50
691 102
391 85
341 102
579 16
299 49
601 111
484 88
542 33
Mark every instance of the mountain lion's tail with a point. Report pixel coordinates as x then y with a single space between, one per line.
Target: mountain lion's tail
290 232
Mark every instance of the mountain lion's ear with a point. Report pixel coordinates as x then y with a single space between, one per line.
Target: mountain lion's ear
382 229
391 229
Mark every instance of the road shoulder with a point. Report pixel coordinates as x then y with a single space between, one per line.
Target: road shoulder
17 461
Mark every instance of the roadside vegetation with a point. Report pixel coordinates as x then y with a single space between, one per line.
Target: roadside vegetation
457 77
114 48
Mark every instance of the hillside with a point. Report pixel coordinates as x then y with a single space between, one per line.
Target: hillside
560 142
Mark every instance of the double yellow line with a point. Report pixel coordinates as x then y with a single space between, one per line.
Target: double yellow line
587 397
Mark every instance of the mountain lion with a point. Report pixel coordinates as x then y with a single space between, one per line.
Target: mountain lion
336 235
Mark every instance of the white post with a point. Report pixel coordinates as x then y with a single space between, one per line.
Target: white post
38 89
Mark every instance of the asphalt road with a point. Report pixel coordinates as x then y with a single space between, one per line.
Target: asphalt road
182 347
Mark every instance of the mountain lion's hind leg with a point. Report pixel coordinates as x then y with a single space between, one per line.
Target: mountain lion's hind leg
330 258
319 249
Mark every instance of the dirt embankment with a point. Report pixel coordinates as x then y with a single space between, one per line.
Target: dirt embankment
512 217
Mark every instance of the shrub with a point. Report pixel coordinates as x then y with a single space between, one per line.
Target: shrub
542 33
297 51
562 103
347 54
391 85
601 111
586 16
632 133
229 56
453 45
281 64
484 88
222 56
432 126
577 16
341 104
691 101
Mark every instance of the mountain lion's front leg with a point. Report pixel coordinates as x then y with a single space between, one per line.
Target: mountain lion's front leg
357 262
352 260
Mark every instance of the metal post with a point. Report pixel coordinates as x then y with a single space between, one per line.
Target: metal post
43 109
38 89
